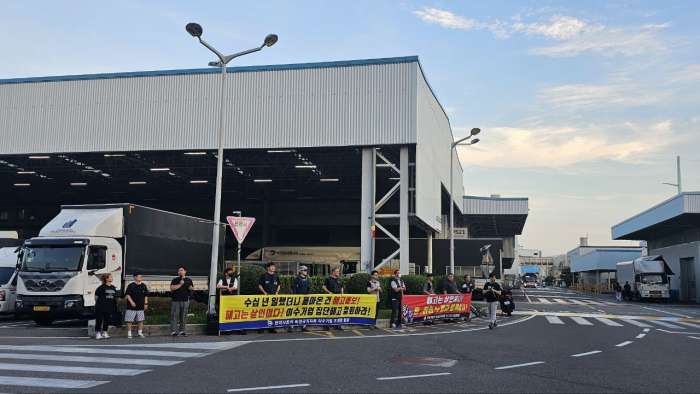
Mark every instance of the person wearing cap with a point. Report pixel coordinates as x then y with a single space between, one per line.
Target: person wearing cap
301 285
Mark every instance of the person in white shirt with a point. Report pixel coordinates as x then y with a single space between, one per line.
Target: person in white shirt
375 287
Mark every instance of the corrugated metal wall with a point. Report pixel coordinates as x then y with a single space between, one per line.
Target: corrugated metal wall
434 137
501 206
691 202
331 106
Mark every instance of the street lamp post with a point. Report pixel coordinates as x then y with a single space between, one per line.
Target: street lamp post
453 148
195 30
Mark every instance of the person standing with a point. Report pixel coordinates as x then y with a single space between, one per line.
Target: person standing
269 284
467 288
105 305
374 287
428 289
492 292
227 285
628 291
136 304
301 285
618 291
332 286
398 287
449 286
181 288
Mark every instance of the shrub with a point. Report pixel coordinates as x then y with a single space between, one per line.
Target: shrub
250 276
357 284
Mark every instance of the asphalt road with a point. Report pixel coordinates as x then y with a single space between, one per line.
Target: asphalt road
553 344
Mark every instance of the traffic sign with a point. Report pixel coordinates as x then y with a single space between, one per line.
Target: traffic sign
240 226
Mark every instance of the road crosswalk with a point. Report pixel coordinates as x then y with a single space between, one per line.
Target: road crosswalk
569 301
619 322
86 366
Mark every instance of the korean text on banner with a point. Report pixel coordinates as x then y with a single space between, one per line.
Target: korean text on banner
246 312
418 308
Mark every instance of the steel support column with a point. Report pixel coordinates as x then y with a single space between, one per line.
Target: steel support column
430 252
367 210
404 257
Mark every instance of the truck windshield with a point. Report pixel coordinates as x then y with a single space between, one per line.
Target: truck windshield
6 274
50 258
653 279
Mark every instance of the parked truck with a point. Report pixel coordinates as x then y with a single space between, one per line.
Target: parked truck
8 279
60 269
647 276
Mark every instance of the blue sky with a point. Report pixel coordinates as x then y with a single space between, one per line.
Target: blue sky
583 105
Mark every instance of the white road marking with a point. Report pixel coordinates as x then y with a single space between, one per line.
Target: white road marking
625 343
185 345
640 336
84 359
591 302
635 323
694 337
581 321
559 300
608 322
544 301
427 375
286 386
577 302
52 383
519 365
68 369
646 330
58 349
554 320
587 353
667 312
667 325
688 324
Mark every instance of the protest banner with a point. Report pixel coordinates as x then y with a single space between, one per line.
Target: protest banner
419 308
244 312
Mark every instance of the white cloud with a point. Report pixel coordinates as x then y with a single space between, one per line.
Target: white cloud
554 147
445 18
584 96
574 36
689 73
559 27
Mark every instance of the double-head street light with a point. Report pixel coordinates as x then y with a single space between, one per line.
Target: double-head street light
464 141
196 31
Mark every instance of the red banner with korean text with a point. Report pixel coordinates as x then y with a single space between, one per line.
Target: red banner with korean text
420 308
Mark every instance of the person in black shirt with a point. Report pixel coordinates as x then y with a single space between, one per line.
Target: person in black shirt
136 304
468 285
301 285
398 287
332 286
492 292
628 291
105 305
428 289
269 284
181 289
449 286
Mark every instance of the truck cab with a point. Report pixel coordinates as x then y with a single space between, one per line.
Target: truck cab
8 279
60 269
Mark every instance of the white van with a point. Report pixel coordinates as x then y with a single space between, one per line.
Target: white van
8 279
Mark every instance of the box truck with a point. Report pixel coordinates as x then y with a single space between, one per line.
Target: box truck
647 276
60 269
8 279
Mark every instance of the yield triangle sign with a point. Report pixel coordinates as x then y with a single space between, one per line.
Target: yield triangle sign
240 226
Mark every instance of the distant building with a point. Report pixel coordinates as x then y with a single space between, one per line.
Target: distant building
596 265
671 229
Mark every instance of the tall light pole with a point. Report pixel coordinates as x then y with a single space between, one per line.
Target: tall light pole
196 31
678 176
473 132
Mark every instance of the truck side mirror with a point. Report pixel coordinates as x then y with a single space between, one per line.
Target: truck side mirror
91 272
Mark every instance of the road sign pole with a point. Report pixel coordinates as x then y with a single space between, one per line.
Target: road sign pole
239 270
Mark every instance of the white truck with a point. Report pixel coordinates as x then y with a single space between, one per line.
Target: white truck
647 277
8 279
60 269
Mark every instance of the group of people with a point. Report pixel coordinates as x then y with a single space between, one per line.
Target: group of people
136 297
622 292
106 295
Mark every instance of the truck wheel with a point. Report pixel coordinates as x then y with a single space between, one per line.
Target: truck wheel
43 321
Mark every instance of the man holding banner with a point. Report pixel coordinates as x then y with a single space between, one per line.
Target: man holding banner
269 283
332 286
